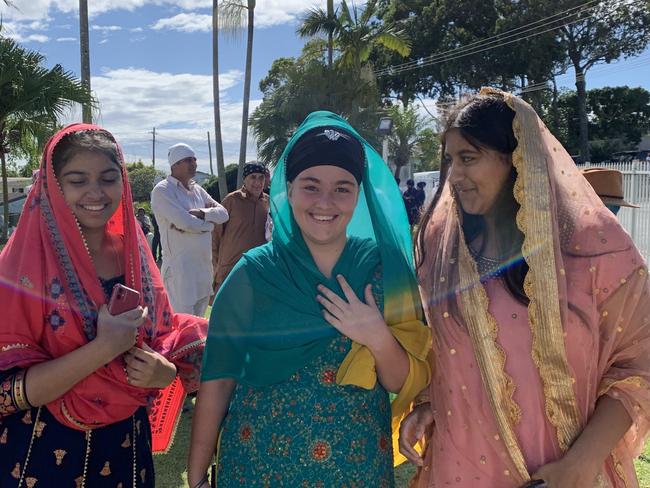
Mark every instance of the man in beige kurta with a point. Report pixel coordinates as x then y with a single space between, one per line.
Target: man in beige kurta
248 209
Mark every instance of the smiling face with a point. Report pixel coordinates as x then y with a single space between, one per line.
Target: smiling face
323 199
478 175
254 183
92 187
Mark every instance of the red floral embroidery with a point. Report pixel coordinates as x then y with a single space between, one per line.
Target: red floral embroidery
245 433
383 443
328 377
321 451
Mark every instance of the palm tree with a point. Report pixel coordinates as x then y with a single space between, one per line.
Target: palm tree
237 11
84 42
32 98
221 169
407 125
359 34
317 21
355 33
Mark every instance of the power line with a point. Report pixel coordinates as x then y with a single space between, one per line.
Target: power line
473 48
481 42
639 62
488 43
476 51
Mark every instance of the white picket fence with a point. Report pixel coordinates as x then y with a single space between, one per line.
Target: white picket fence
636 186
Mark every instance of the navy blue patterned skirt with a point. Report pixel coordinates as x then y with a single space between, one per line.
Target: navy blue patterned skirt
115 456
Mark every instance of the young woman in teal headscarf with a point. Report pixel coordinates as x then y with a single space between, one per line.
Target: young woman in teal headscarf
310 332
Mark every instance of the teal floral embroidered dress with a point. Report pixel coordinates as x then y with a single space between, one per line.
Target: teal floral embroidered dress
309 431
307 408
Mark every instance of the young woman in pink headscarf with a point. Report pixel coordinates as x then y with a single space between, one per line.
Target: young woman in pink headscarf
539 304
85 394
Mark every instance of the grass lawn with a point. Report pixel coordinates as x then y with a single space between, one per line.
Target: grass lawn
170 468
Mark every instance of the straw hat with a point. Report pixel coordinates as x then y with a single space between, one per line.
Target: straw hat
608 185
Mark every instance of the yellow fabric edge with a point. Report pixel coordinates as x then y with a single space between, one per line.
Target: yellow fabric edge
358 368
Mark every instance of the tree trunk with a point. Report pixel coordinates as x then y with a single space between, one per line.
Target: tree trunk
221 170
581 89
84 42
555 108
330 35
247 92
330 53
5 196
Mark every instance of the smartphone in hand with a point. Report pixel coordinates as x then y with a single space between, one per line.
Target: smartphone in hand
123 299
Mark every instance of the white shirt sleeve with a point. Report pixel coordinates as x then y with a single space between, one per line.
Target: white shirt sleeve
214 211
165 207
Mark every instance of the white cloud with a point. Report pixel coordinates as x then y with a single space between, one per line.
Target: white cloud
103 41
137 29
105 28
191 22
133 101
66 39
19 31
36 38
25 38
267 12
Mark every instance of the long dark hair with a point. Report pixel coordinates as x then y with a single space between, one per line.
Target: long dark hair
485 121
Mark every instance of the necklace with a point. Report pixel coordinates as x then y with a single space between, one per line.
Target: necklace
487 267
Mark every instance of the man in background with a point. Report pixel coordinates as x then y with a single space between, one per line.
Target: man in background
248 209
186 217
608 185
420 197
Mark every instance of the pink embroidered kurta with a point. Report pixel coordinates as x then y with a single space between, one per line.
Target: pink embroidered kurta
607 335
515 385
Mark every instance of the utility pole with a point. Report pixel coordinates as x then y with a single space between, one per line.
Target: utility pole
85 56
210 153
153 147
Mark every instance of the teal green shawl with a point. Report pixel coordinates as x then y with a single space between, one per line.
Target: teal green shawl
266 323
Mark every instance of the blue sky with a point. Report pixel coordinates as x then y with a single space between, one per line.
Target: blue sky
151 65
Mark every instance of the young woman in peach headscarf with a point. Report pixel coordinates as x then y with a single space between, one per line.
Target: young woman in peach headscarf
539 304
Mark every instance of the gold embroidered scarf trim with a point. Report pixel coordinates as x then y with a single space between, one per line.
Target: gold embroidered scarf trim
186 348
535 220
609 383
490 357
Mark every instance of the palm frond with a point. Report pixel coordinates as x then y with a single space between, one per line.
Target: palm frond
315 21
394 42
345 17
369 12
233 17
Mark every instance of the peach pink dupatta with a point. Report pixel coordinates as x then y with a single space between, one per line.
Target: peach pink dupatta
513 385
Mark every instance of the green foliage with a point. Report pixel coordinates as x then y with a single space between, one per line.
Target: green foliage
32 98
294 88
211 184
135 165
429 149
605 33
142 181
146 205
447 29
356 33
407 125
618 119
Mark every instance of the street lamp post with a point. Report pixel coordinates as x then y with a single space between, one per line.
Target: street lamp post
384 129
